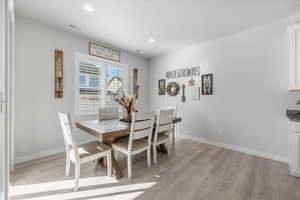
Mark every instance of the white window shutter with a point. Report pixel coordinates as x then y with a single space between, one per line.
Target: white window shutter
99 83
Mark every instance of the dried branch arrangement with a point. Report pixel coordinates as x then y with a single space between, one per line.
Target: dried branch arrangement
129 105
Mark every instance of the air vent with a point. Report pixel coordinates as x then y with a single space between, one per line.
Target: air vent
74 28
139 51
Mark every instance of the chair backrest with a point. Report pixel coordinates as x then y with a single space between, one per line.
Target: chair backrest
170 108
164 122
108 113
141 127
67 129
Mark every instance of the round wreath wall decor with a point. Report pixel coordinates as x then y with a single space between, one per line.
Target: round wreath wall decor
173 88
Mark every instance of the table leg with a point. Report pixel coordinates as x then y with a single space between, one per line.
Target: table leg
116 172
162 148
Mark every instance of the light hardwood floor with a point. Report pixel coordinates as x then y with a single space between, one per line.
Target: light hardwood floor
197 171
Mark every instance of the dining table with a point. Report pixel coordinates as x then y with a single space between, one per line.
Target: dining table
107 131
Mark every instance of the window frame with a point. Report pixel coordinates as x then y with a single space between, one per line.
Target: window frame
79 57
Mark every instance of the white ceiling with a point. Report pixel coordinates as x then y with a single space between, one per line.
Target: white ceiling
127 24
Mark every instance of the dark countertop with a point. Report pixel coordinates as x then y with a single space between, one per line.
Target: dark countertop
293 113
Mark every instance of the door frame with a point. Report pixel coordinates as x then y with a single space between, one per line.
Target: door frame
7 88
11 84
3 117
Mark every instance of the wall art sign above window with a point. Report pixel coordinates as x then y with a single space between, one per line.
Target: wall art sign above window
186 72
104 52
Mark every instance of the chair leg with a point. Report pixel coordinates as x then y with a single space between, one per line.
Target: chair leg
77 175
129 165
96 162
169 148
104 161
149 156
68 163
173 138
155 154
109 163
116 154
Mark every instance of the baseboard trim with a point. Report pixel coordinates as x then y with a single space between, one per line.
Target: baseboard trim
26 158
237 148
51 152
42 154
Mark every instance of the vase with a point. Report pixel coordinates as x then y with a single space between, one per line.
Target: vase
127 115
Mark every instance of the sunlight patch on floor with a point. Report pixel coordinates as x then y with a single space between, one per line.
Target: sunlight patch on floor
59 185
127 196
106 188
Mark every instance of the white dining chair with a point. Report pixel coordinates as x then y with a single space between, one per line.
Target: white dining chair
163 131
107 113
79 154
139 139
175 135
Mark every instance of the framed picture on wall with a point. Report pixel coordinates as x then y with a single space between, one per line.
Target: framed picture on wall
207 84
161 87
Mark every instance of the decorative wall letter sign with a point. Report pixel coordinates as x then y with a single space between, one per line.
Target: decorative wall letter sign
193 71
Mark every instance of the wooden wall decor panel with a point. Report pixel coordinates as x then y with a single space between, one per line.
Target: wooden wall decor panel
59 63
135 82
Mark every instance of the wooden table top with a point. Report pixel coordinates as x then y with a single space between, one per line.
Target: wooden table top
104 126
108 128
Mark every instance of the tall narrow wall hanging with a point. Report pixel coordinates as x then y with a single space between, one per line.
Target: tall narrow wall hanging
135 82
59 64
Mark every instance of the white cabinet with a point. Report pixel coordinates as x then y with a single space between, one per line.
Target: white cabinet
294 54
294 148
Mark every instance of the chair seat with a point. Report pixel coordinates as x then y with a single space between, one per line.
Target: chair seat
161 137
122 144
92 148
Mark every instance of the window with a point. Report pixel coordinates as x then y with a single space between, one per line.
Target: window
98 82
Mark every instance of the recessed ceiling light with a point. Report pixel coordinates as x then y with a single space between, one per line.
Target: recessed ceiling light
88 8
151 40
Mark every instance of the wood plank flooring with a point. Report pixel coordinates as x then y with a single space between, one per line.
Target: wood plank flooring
196 171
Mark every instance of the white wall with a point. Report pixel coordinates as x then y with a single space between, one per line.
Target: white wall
37 130
247 109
